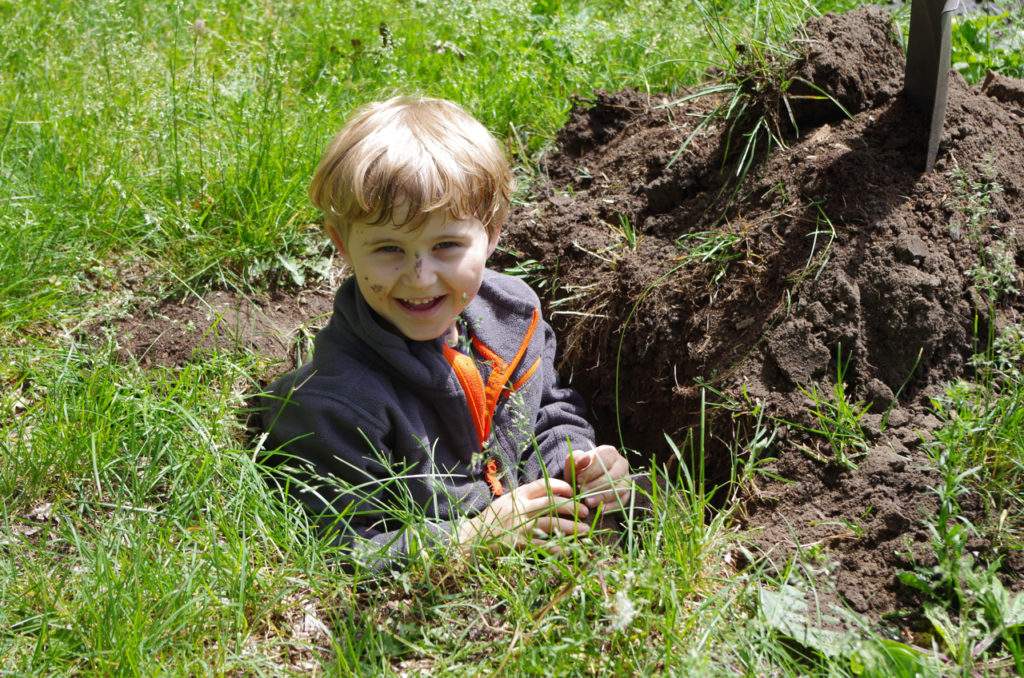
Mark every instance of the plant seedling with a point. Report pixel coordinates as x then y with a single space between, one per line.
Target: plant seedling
838 421
715 246
628 231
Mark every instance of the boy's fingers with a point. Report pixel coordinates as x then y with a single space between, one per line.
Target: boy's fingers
541 507
583 461
617 495
605 482
545 529
602 484
550 526
572 508
606 453
575 464
567 526
564 508
538 509
604 498
599 475
561 488
543 487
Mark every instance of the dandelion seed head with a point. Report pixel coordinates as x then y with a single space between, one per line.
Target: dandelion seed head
621 612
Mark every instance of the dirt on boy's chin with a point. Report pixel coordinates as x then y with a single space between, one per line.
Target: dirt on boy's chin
669 281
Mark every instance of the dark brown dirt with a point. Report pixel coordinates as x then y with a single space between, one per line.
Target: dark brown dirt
276 327
839 249
834 249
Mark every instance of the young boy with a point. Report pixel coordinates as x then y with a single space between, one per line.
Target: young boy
432 391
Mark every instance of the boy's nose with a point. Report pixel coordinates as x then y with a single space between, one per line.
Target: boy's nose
421 270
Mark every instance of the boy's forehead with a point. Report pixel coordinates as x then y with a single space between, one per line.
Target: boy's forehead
440 219
398 216
369 232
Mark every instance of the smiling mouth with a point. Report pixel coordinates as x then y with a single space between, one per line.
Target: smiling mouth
420 304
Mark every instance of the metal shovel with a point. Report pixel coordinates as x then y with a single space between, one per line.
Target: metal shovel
926 81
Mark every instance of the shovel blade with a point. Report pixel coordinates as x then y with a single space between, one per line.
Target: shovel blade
926 81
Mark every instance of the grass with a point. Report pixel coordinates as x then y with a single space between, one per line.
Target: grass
170 144
978 448
994 273
187 140
837 420
754 104
719 248
992 40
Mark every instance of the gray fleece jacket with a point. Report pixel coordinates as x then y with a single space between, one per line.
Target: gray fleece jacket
381 443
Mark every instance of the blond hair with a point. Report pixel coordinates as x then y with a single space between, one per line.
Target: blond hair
417 154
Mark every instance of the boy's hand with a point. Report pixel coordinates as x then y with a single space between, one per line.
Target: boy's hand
600 476
531 513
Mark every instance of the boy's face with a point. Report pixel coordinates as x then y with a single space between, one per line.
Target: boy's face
418 280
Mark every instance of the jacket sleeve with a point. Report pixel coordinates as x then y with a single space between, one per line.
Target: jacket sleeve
342 474
561 423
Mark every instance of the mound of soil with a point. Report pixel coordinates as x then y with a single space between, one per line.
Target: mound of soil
688 261
676 272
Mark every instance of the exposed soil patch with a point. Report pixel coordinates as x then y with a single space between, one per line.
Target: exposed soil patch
835 253
668 280
175 333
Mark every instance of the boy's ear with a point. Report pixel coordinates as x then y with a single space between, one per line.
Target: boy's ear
492 242
338 242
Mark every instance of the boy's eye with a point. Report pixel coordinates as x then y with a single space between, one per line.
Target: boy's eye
389 249
445 244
